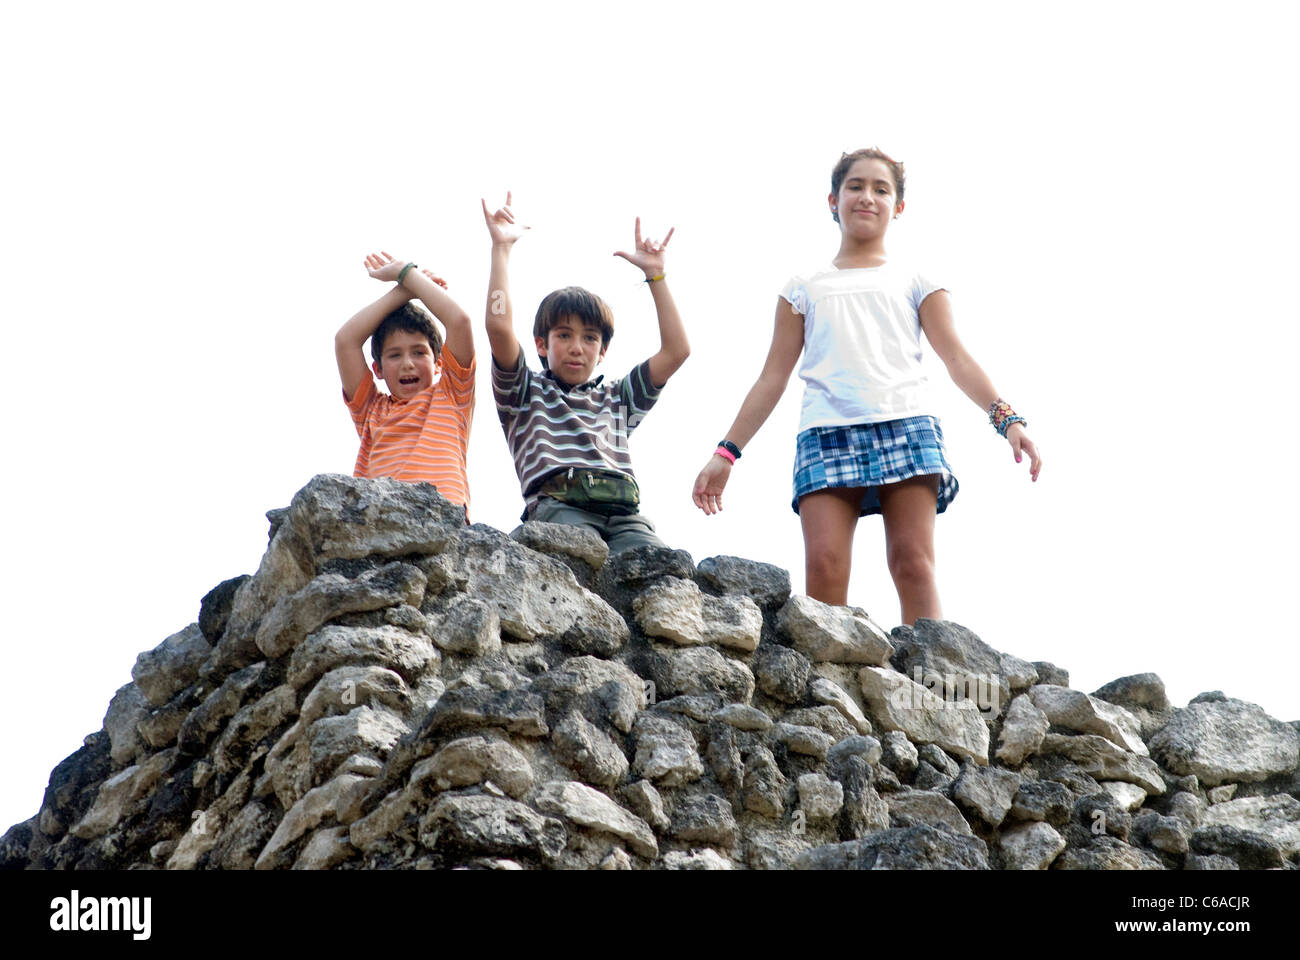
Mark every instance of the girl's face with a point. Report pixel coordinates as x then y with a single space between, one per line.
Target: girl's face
866 202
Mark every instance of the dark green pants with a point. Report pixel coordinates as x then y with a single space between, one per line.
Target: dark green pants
621 533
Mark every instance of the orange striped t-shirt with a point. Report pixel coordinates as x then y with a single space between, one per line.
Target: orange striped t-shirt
420 439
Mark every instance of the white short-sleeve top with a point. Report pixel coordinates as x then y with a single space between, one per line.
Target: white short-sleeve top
861 344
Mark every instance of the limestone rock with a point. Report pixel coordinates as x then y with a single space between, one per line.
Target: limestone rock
1226 741
1077 711
744 717
1023 730
563 540
589 751
705 819
1276 817
327 848
833 634
911 848
1250 850
701 671
665 752
898 753
820 798
344 689
128 708
329 596
471 628
960 664
1030 846
535 595
645 801
1128 795
829 692
1142 695
782 673
599 689
672 609
902 704
765 584
986 792
217 708
1044 800
170 667
1106 853
1102 759
491 826
1168 834
734 622
408 654
909 808
590 808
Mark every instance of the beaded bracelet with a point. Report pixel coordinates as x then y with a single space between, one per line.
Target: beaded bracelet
1002 416
402 276
1002 430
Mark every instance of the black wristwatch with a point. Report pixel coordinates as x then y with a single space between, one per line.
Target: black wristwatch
730 447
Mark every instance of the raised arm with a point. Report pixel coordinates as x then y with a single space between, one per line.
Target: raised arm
500 318
970 378
763 396
460 329
674 348
350 341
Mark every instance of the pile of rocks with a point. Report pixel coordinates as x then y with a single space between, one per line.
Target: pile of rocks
392 688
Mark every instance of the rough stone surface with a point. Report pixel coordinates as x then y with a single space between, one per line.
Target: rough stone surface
908 808
1276 817
1100 758
560 539
1143 696
1030 846
1023 730
782 673
394 690
1226 741
1075 710
898 703
910 848
170 667
765 584
590 808
833 634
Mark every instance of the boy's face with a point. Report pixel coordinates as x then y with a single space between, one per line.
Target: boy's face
406 364
867 200
572 350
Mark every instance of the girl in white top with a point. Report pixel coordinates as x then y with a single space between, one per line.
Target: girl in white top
868 443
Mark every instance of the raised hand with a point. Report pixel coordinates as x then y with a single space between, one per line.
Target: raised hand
709 484
649 254
382 266
501 224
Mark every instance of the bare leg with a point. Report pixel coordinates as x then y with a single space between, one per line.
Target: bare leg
908 508
829 518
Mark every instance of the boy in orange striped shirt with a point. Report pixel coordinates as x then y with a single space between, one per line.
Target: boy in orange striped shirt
419 430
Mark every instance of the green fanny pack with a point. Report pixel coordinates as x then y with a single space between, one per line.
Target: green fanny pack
600 491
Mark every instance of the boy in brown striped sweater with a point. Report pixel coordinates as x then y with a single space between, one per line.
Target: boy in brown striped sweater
567 431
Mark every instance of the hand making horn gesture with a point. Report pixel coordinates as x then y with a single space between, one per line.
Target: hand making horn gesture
501 224
649 254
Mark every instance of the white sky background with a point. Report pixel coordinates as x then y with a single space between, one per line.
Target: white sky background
1109 193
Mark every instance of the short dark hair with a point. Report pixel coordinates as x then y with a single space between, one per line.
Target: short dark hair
411 318
847 160
574 302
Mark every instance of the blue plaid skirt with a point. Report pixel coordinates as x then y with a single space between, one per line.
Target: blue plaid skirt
870 454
